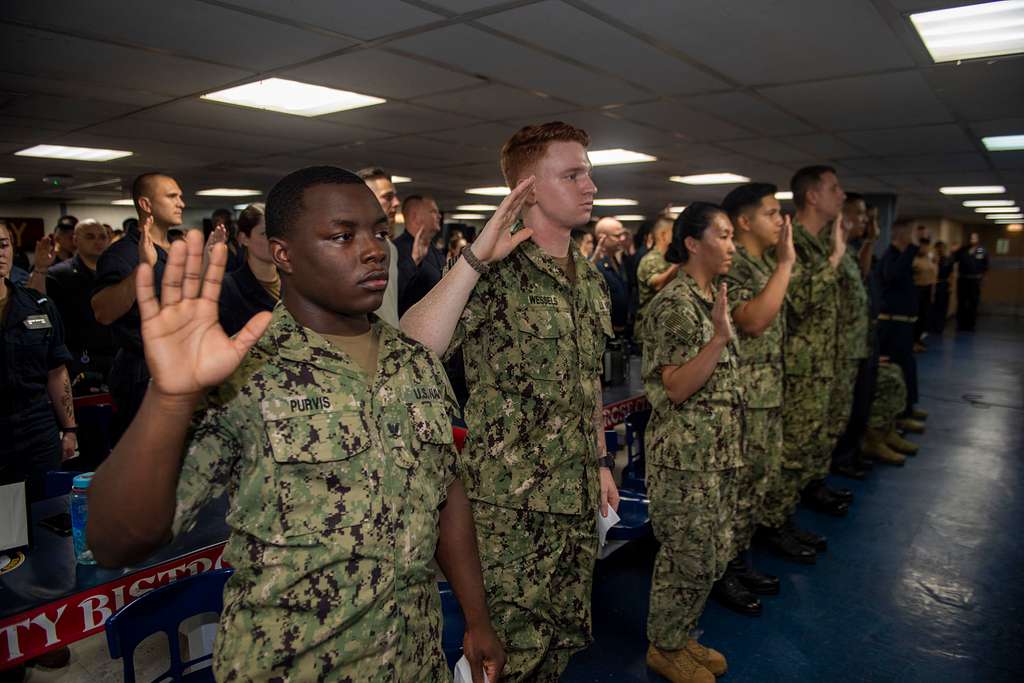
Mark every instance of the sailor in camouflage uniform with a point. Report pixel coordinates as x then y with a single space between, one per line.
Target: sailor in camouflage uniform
757 291
330 433
532 331
694 441
654 272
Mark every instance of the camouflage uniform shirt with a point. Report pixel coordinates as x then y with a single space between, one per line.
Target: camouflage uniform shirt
533 345
761 356
653 263
811 309
334 486
704 432
853 315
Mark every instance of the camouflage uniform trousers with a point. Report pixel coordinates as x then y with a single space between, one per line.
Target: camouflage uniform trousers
890 397
806 432
538 569
693 517
840 406
761 497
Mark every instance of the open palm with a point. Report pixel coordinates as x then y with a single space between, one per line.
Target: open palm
496 240
187 350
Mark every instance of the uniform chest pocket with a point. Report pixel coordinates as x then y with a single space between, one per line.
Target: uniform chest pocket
541 332
429 454
321 472
30 350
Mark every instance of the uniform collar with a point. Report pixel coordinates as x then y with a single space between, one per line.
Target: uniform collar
688 281
545 263
290 340
759 263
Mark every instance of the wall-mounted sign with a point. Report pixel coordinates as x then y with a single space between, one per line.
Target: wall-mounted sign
1003 246
26 231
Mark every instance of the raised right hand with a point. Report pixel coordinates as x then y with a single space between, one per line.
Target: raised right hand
720 315
147 250
838 240
186 349
785 253
420 244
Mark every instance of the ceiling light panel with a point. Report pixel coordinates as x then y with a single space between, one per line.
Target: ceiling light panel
710 179
782 196
1003 143
4 181
73 153
988 202
292 97
228 192
396 179
496 191
998 209
629 217
476 207
467 216
1005 216
123 202
616 202
973 31
973 189
610 157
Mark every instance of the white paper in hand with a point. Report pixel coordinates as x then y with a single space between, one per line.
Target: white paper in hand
604 524
463 674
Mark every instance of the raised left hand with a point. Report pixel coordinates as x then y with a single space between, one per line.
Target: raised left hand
484 653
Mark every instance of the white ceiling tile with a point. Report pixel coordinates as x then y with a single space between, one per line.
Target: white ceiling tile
750 112
769 42
139 129
382 74
195 29
70 109
877 101
911 140
767 150
364 20
503 60
980 90
96 65
823 146
676 117
399 117
495 102
598 44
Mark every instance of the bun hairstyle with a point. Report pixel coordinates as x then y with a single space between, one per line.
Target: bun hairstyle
691 223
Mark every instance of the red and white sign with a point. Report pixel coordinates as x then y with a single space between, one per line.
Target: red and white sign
616 413
60 623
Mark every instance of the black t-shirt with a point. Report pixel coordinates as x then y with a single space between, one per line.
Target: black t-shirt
117 263
69 284
31 344
241 297
415 281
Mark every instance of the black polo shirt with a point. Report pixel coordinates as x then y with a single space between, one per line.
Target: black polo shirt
241 297
117 263
69 284
896 272
415 281
31 344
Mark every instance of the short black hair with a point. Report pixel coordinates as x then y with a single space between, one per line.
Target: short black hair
410 200
745 197
284 202
691 223
852 197
66 223
130 224
372 173
577 234
143 183
225 213
804 179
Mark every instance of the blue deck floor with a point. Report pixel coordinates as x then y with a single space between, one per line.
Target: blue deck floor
923 581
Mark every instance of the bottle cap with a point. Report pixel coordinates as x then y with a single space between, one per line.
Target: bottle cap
82 481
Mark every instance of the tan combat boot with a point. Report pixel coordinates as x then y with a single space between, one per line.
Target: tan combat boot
896 442
875 448
910 425
678 666
710 658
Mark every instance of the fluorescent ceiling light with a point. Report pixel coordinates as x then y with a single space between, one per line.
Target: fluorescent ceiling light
395 179
998 209
677 209
497 191
4 181
710 179
615 202
73 153
610 157
476 207
228 192
1003 143
982 30
973 189
292 97
629 217
1005 216
123 202
988 202
467 216
782 196
1014 227
241 207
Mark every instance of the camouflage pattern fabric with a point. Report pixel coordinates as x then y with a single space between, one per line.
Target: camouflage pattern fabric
705 432
533 344
806 433
653 263
840 403
538 569
761 373
334 487
890 397
692 515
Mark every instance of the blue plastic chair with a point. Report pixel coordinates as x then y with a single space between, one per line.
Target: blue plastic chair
162 611
634 474
454 624
58 483
634 517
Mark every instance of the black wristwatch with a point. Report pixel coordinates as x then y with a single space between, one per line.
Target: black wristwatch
607 461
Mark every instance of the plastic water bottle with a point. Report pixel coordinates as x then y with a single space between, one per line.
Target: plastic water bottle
79 515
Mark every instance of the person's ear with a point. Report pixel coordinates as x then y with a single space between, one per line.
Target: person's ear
691 244
279 254
243 239
145 205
